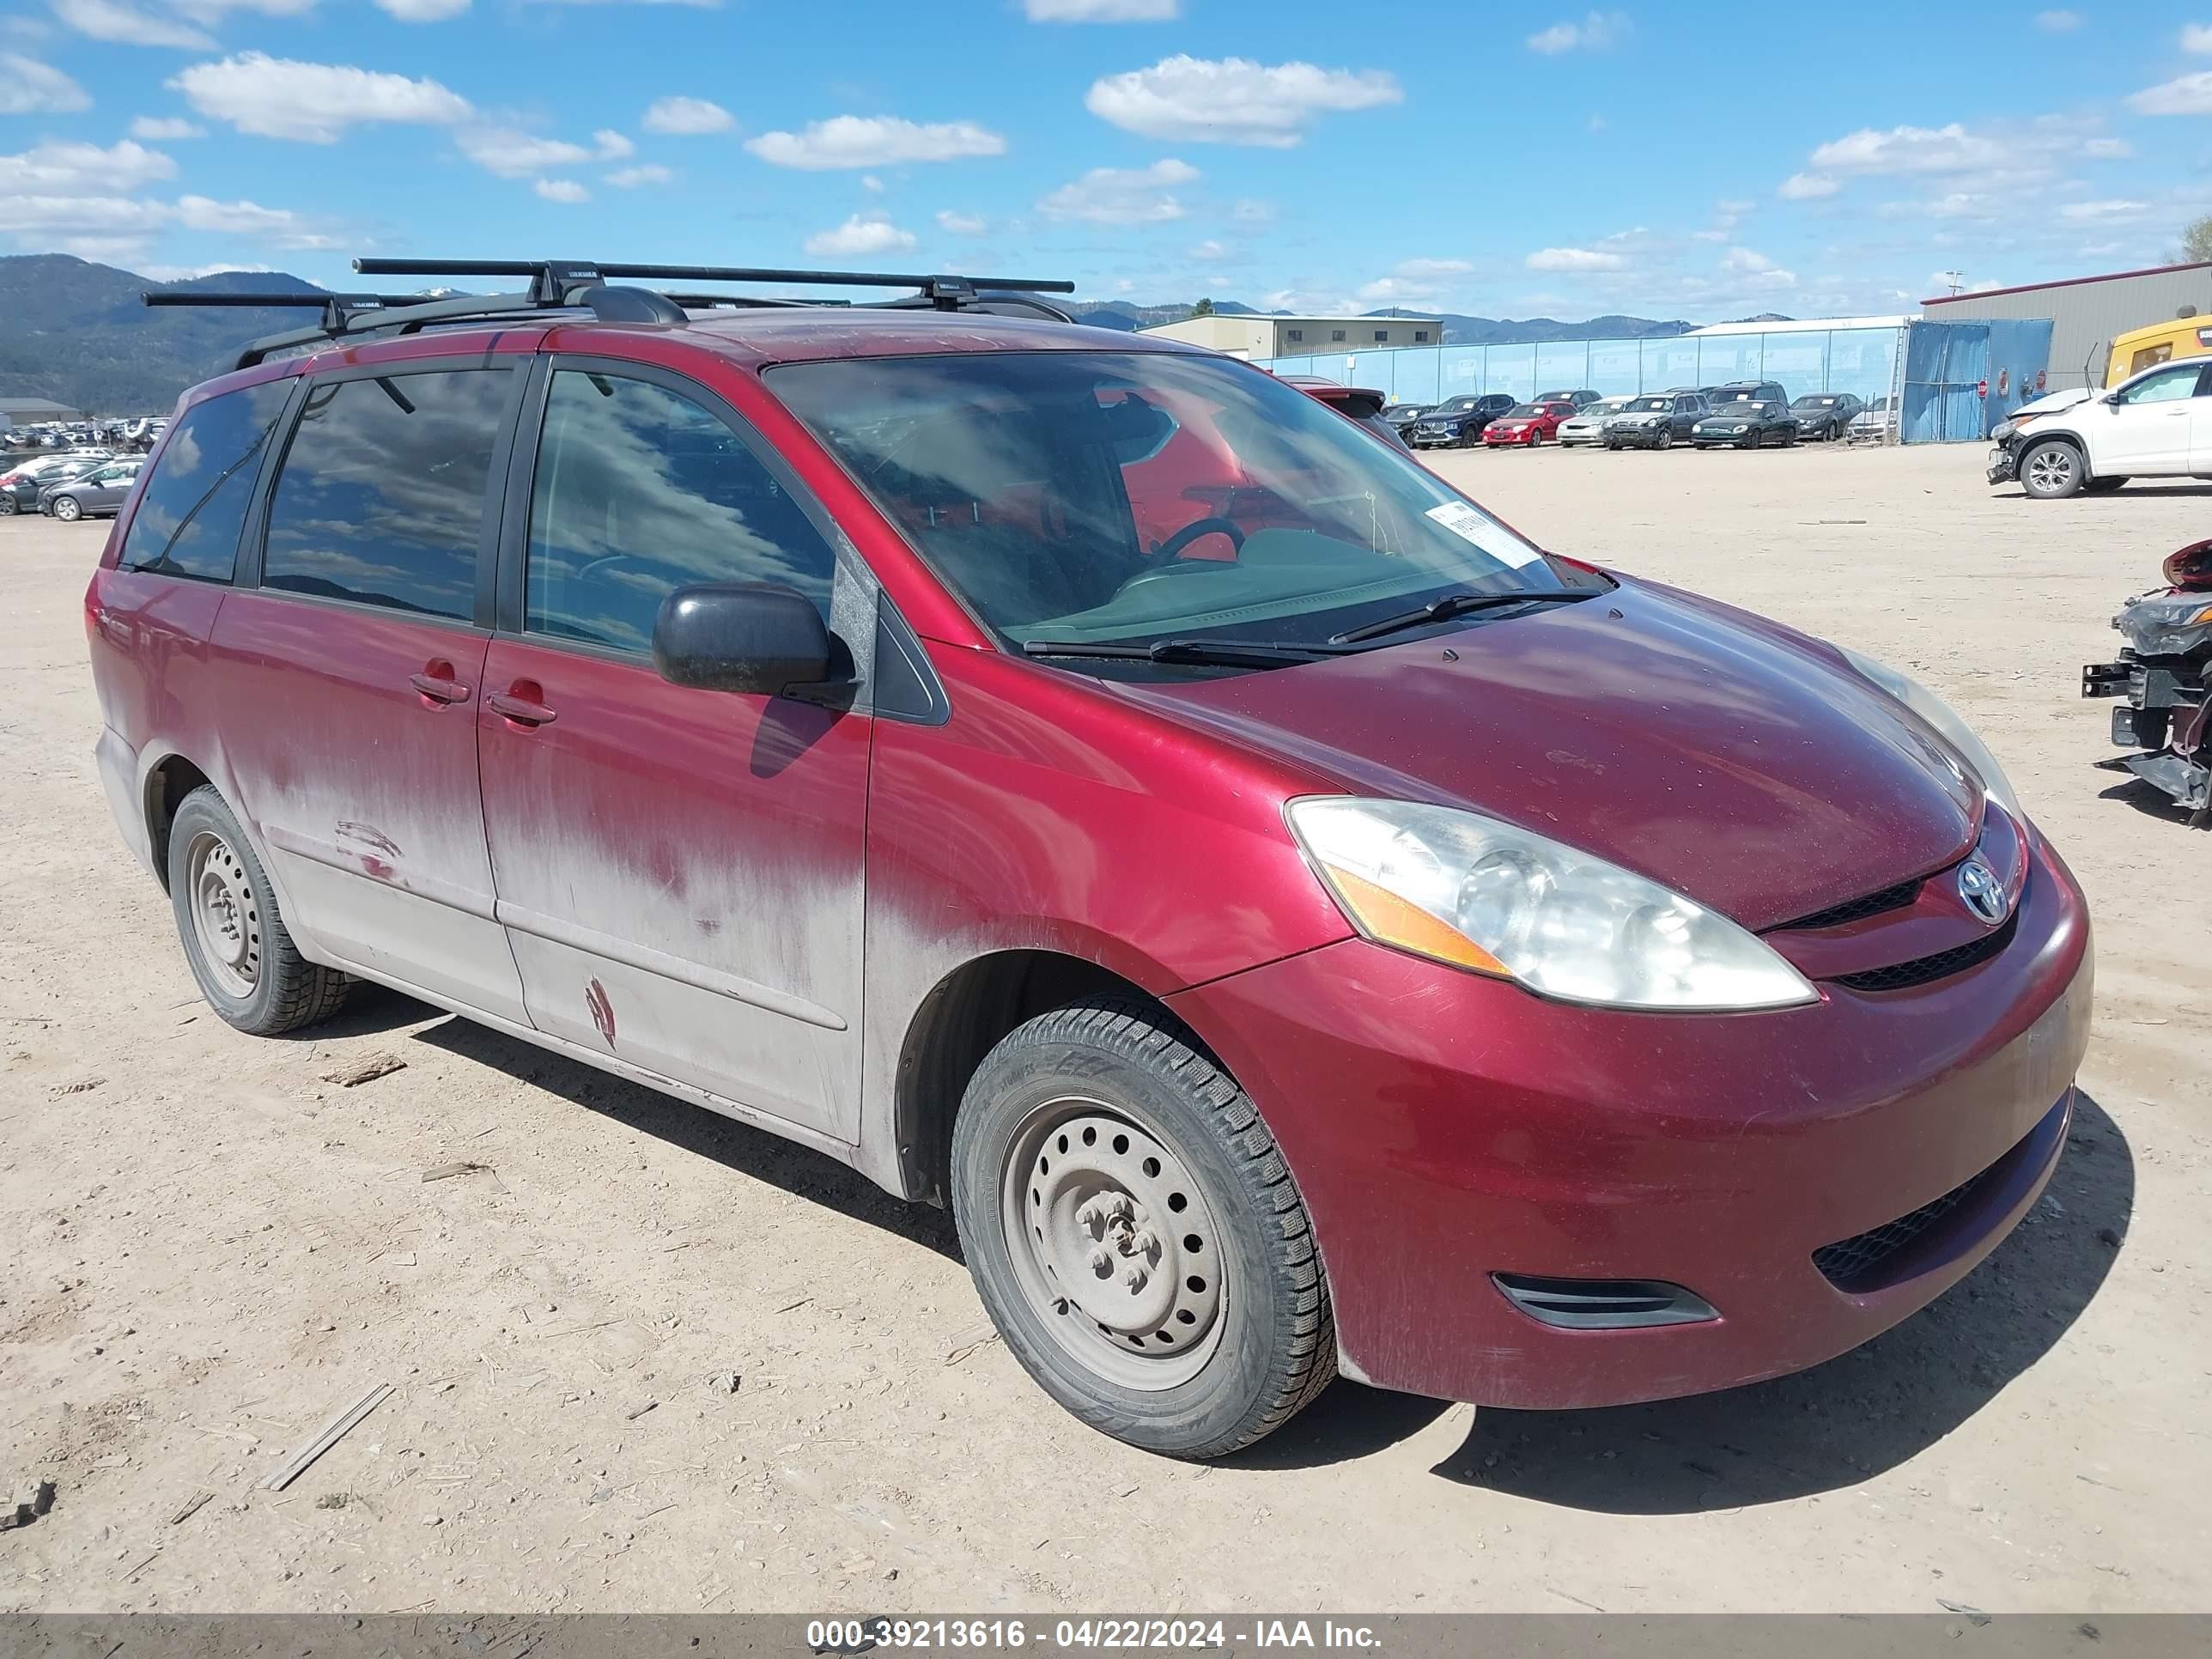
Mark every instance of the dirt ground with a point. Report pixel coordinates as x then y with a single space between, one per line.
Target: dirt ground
210 1251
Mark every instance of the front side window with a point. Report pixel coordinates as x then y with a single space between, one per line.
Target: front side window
380 499
193 507
2179 381
640 490
1127 497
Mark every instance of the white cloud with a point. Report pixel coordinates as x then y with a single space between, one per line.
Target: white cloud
235 218
869 233
612 146
1397 291
514 154
280 98
30 88
56 168
1762 271
193 273
108 226
2058 22
962 224
2112 211
1594 33
423 11
2196 38
874 141
648 173
165 129
1807 187
1573 258
1101 11
1949 149
111 20
1122 195
1420 269
2188 94
2108 150
561 190
873 184
1210 251
214 11
1234 100
687 115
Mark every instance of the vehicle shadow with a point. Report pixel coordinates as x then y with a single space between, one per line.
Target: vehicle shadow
1862 1413
739 1147
2150 801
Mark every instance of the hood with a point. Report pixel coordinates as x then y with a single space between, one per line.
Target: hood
1735 761
2052 404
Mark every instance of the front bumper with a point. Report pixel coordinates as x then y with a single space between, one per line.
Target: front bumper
1445 1126
1635 437
2003 467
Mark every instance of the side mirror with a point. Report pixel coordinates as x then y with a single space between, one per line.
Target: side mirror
758 637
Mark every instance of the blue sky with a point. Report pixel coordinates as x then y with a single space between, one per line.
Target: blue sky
1665 160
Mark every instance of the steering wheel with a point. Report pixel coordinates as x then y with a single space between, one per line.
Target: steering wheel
1173 547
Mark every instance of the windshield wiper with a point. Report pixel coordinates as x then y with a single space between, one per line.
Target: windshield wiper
1232 653
1449 605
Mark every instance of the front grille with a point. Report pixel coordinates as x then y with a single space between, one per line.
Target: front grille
1858 1264
1857 910
1925 970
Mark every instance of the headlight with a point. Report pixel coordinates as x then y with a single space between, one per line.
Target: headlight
1484 895
1945 719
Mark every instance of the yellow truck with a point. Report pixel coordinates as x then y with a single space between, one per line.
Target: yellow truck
2157 343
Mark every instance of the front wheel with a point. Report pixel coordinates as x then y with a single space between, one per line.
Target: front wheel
1136 1236
2052 471
1535 439
1665 439
67 510
8 509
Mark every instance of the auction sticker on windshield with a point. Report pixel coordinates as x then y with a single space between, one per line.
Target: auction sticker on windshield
1465 522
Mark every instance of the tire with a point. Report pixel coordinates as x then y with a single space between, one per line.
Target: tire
67 510
1535 439
235 940
1665 439
1108 1120
2052 470
2103 486
8 509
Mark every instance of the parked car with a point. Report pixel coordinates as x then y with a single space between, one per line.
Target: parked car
2164 672
1458 421
95 495
1746 426
1402 416
1825 416
2158 424
21 487
1528 425
1359 405
1876 422
1587 424
1123 861
1580 400
1747 392
1657 421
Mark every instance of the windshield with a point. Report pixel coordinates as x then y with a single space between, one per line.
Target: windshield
1816 403
1648 406
1453 405
1524 411
1133 497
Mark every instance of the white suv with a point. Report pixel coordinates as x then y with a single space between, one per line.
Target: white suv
2154 424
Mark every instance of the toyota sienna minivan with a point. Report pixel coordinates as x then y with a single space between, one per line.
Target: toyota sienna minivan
1298 924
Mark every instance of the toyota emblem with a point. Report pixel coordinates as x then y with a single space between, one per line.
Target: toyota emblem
1983 893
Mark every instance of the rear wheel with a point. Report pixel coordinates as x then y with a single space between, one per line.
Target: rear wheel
234 939
7 505
1135 1235
2051 470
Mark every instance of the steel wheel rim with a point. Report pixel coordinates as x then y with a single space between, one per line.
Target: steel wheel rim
226 919
2050 468
1115 1244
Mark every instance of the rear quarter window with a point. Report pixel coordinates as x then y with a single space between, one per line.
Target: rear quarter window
193 507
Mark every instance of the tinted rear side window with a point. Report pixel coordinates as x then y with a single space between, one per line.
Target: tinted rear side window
194 505
381 497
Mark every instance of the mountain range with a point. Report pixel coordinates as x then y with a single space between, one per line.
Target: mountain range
76 332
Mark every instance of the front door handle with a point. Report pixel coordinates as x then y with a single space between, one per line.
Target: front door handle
437 685
521 706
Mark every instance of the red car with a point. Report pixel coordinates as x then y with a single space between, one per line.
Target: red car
1525 426
1300 925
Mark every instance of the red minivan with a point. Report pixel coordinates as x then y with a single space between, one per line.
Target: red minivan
1300 926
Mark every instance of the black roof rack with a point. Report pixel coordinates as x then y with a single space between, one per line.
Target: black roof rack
574 285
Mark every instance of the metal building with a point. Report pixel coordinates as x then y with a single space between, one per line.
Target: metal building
2086 311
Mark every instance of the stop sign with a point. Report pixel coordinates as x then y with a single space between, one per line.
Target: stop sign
1981 388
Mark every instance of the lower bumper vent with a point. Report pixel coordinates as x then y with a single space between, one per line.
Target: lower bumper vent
1603 1304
